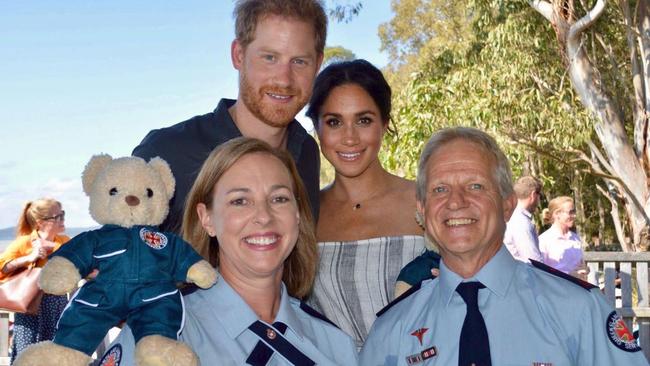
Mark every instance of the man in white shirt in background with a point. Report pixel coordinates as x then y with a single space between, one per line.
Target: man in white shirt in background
521 234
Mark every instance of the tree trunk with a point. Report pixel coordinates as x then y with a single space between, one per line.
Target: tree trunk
609 125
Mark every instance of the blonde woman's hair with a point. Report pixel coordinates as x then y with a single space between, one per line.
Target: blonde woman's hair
32 212
300 266
554 205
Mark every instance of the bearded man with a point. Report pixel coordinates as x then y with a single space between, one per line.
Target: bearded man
278 50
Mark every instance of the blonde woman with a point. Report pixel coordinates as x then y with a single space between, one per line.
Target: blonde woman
39 233
248 212
561 247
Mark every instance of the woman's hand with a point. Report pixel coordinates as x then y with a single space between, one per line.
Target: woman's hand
38 251
47 245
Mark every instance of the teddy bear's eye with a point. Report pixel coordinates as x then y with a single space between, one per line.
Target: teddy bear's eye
113 191
149 193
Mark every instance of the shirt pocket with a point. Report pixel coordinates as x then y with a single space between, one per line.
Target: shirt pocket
89 296
110 249
156 292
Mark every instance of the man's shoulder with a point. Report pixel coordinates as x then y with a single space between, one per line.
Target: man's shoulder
181 130
557 287
414 298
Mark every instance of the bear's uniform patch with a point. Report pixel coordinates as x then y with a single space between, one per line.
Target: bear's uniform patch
112 357
153 239
619 335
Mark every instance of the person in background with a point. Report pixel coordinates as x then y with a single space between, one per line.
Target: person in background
367 230
39 233
486 308
278 49
250 197
521 234
561 247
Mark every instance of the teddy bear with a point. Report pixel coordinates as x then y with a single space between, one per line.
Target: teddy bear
425 266
138 269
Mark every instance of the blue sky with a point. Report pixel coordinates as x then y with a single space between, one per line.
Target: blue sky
85 77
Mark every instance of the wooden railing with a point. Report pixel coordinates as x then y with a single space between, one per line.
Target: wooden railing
631 301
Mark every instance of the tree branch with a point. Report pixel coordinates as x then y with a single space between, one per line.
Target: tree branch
543 7
587 20
618 228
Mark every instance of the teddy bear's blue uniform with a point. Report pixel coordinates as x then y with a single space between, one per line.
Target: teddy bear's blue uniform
138 270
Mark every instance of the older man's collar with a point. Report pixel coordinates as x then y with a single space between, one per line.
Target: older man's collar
497 275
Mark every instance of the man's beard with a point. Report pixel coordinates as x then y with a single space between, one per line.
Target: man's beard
277 115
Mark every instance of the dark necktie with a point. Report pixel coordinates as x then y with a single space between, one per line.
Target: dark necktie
474 345
275 342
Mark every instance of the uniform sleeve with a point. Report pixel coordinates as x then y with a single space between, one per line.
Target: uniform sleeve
79 251
382 345
17 248
604 339
121 351
184 256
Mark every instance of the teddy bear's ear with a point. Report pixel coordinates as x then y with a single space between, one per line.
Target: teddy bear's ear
96 164
161 166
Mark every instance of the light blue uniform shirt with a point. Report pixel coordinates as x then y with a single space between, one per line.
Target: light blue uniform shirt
532 318
216 328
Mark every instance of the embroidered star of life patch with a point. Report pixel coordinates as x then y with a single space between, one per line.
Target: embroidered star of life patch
112 357
619 335
153 239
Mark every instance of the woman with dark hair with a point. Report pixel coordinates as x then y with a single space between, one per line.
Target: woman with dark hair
40 232
249 213
366 229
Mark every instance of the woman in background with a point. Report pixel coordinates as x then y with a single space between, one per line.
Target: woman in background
39 233
561 247
366 229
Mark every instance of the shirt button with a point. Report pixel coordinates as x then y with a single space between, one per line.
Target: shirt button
270 334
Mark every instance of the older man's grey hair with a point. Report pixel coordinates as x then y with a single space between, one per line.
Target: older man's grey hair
502 173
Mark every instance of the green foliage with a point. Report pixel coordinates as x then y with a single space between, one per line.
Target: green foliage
337 54
502 73
345 12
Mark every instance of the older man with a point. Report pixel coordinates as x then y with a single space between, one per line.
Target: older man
521 234
486 308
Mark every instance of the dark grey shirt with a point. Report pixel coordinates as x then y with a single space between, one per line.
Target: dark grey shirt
186 145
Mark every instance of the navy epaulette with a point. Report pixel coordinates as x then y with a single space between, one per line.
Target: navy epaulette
401 297
189 288
311 311
546 268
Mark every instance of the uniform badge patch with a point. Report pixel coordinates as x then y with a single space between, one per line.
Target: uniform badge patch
619 335
419 333
153 239
112 357
417 358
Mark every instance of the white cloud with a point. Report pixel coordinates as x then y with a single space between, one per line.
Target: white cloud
67 191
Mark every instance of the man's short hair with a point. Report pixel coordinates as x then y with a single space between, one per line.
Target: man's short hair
526 185
502 173
248 13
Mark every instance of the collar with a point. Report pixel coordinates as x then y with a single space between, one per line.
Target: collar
524 212
228 130
235 315
497 275
555 232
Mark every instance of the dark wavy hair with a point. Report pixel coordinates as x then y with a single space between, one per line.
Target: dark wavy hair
358 72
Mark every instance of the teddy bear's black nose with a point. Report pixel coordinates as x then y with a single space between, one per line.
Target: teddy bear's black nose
132 200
